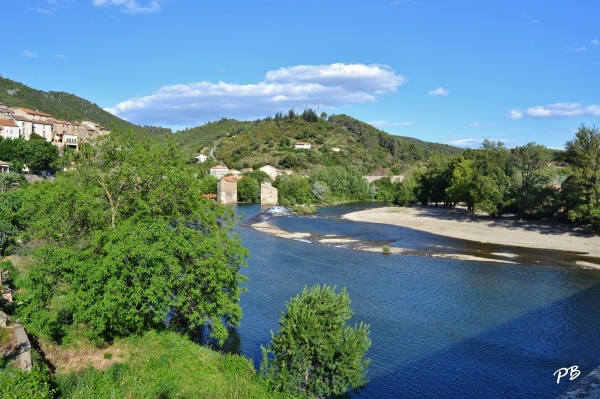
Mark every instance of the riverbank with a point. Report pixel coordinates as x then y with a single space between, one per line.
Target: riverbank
457 223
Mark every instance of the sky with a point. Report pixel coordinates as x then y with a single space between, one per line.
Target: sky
453 72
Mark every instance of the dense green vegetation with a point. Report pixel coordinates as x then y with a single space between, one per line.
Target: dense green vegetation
63 106
127 226
314 351
122 244
271 141
530 181
36 154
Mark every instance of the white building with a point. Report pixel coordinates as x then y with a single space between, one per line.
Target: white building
8 129
272 171
219 171
302 145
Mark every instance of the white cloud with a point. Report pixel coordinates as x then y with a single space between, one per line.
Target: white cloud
439 92
388 123
129 6
481 126
595 42
476 142
60 56
324 86
42 10
470 143
555 110
581 49
29 54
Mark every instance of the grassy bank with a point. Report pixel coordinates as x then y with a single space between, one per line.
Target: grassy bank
161 365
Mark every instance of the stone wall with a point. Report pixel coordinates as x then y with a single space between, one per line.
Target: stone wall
268 194
227 190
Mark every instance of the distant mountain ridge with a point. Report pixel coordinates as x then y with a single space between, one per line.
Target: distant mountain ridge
62 106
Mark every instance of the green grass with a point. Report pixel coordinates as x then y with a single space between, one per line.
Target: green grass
166 365
4 335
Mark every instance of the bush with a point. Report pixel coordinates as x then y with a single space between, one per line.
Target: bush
314 352
34 384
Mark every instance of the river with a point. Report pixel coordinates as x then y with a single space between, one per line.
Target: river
440 328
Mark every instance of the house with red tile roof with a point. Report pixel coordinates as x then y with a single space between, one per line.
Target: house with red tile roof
8 129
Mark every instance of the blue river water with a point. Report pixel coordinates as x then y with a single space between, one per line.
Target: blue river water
440 328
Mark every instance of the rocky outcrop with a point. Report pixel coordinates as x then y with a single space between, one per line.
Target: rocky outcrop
18 348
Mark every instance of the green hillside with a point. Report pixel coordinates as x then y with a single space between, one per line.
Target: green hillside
62 105
271 141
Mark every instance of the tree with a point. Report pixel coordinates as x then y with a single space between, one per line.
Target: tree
310 115
314 352
10 180
208 184
319 191
130 245
405 193
293 189
583 155
462 186
528 161
248 190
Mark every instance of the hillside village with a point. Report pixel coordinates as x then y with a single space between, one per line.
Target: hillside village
17 122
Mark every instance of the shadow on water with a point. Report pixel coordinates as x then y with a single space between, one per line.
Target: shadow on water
477 367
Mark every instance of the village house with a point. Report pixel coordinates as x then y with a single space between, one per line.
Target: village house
6 113
219 171
335 149
8 129
22 122
302 145
201 158
272 171
60 130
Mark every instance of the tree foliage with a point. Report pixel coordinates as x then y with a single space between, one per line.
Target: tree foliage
130 244
248 190
315 352
37 155
528 162
583 155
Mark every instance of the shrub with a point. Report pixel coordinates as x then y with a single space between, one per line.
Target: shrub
314 352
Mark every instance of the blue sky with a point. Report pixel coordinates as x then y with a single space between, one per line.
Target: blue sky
452 72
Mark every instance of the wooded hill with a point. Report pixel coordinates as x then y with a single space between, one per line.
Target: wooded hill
242 144
63 106
271 141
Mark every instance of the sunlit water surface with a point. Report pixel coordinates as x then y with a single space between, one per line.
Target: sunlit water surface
440 328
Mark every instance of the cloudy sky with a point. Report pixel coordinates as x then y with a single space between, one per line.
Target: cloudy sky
453 72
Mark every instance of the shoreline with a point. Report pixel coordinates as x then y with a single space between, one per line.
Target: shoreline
479 227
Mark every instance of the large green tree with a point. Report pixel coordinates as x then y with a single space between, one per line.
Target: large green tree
529 183
315 352
583 185
130 244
